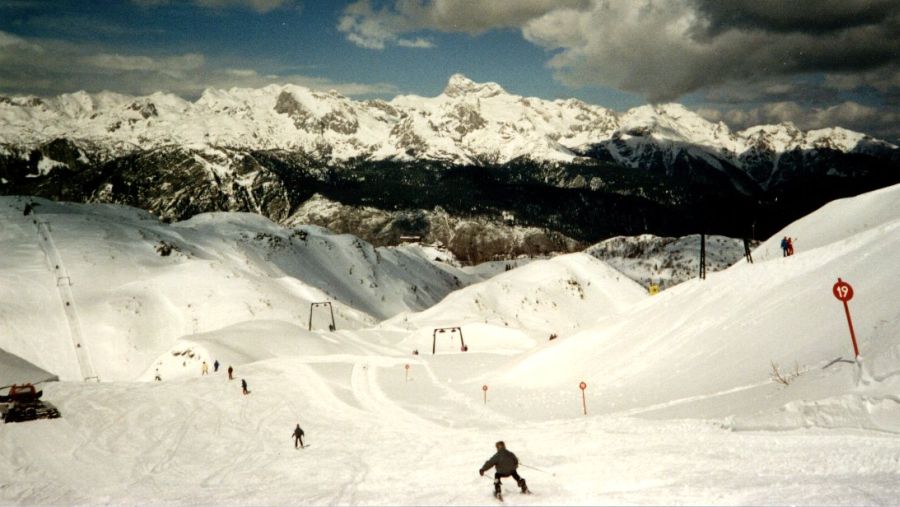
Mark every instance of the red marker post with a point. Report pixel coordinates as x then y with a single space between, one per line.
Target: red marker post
484 388
583 386
844 292
407 372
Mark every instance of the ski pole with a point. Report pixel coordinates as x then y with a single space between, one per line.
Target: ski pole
538 469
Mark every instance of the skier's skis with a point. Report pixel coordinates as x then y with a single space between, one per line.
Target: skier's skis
499 496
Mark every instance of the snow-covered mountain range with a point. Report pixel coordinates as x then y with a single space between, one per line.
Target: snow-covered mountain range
469 123
539 175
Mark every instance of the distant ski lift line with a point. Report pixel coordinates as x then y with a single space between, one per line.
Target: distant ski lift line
312 306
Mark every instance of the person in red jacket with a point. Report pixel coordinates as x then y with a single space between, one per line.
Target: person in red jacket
506 463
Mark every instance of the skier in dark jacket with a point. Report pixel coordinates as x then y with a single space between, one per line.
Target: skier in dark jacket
506 464
298 436
244 386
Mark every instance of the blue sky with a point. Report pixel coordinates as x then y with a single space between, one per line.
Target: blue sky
816 63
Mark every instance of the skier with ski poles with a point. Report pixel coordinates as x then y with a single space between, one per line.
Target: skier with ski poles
506 463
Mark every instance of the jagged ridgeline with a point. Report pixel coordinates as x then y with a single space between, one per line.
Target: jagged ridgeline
485 172
479 211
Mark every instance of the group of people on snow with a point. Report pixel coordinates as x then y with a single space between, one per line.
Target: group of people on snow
505 462
204 369
787 246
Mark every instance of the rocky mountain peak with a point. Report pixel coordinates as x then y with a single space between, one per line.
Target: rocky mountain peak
459 85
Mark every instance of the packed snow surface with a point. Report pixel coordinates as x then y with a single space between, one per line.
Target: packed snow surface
681 403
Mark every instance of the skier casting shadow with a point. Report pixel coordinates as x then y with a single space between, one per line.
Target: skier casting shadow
298 436
506 463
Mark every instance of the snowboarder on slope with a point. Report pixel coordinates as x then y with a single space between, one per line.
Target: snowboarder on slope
790 247
230 371
216 366
204 369
298 436
506 463
784 246
244 386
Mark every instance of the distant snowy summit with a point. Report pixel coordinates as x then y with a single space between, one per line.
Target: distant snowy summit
468 123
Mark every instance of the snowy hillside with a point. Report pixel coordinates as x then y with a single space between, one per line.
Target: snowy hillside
14 369
653 260
121 284
680 405
527 305
706 348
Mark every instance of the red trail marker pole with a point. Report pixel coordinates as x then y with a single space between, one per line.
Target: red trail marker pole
844 292
485 388
407 372
583 386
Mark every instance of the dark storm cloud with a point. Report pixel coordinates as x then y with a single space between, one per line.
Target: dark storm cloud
806 16
661 49
666 49
822 60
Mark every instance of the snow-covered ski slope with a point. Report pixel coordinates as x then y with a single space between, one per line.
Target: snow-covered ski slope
681 406
705 348
103 266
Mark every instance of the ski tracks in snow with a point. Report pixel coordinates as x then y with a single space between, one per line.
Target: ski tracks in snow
364 382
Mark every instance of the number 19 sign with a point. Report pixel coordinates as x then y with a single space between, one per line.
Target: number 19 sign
844 292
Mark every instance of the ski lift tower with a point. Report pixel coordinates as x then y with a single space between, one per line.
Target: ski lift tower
313 306
703 256
450 330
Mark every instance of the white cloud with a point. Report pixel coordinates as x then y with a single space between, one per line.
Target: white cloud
416 43
848 114
261 6
257 5
175 64
375 29
45 67
10 42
